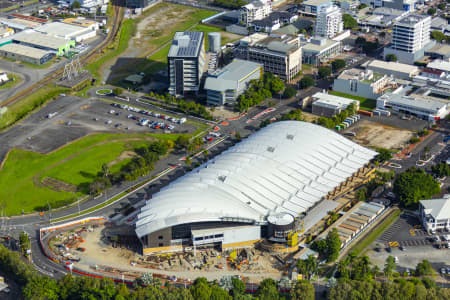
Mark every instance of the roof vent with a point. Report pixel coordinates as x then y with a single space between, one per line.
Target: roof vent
290 136
222 178
271 149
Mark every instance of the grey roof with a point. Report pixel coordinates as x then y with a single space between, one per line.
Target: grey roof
40 39
61 29
186 44
24 50
278 46
437 208
228 77
312 47
288 166
439 22
411 20
415 102
387 11
289 29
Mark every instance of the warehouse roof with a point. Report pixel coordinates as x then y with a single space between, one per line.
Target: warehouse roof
414 102
332 101
186 44
437 208
24 50
394 66
439 65
79 22
315 47
285 167
229 77
40 39
60 29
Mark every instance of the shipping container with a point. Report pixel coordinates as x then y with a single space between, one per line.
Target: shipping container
366 113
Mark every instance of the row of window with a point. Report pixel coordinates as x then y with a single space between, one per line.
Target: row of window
208 237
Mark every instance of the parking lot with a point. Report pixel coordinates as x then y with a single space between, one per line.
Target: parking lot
69 118
410 243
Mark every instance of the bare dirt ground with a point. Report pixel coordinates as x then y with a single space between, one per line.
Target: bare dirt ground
224 113
209 263
378 135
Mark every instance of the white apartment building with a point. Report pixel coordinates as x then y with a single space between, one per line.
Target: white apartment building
256 10
360 83
435 214
186 61
410 38
329 21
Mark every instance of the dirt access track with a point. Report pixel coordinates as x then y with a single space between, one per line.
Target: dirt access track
373 134
154 30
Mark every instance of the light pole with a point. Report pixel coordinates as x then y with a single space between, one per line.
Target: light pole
50 211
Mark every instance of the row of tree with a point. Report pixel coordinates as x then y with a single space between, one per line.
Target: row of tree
140 165
188 107
329 247
259 90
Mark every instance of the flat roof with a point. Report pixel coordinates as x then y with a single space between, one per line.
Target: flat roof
24 50
40 39
439 65
228 77
393 66
79 22
414 102
288 166
319 48
61 29
328 100
316 2
19 23
411 20
186 44
441 49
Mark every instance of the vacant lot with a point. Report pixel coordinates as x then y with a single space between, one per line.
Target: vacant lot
378 135
24 178
155 30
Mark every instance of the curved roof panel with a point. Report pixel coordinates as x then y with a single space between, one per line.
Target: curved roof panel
285 167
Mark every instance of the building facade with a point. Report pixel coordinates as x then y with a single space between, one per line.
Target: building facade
280 55
186 62
424 108
26 54
312 7
320 50
435 214
398 70
329 22
225 85
410 38
360 83
256 10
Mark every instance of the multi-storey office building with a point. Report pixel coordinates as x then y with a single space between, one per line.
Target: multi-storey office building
186 61
280 55
256 10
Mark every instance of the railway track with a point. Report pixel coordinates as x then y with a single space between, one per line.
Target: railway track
117 21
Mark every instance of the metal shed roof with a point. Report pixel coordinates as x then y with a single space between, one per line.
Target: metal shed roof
268 172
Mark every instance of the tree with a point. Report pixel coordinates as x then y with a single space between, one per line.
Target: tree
338 64
441 169
117 91
201 290
276 85
391 57
424 268
217 293
182 142
431 11
383 155
360 41
414 185
361 194
303 290
238 286
349 21
105 170
267 290
324 72
289 92
237 136
76 5
438 36
389 267
24 242
333 245
442 6
307 266
306 82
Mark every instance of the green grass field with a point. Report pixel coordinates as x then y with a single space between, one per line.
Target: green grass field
364 103
13 81
127 31
22 108
76 163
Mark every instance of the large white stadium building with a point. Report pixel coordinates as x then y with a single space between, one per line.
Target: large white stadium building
254 190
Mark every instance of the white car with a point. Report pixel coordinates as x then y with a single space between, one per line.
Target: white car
396 260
